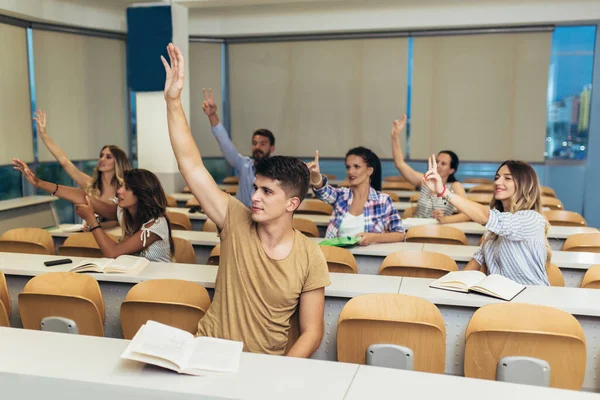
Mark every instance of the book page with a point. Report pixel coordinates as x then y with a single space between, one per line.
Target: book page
92 264
216 355
459 279
163 341
499 286
127 264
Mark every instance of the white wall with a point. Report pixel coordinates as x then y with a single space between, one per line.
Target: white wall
108 16
385 15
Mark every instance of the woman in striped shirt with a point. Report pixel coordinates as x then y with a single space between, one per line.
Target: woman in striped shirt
429 205
515 243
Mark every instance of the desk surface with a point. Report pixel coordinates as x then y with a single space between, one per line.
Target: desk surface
387 383
342 285
91 363
25 202
576 301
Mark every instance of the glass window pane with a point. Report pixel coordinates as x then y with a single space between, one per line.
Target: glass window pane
11 183
53 172
569 92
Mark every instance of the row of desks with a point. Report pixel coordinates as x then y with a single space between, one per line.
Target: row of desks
456 308
556 235
92 365
573 265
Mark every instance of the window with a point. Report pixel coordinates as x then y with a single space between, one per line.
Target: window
569 92
11 183
53 172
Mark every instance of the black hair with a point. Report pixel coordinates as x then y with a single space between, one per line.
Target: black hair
266 133
293 175
372 161
454 161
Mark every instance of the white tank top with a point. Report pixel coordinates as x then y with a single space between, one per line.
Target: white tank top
351 225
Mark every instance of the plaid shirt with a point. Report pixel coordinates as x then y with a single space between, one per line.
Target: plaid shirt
379 212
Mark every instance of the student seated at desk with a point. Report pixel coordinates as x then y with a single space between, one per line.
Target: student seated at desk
141 209
515 243
108 174
361 210
266 269
429 205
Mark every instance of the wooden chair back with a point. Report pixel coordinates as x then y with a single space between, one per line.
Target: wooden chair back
552 203
548 191
417 264
330 176
555 276
307 227
591 279
209 226
184 251
177 303
409 212
481 198
482 181
414 198
82 244
215 255
393 319
398 185
63 294
179 221
171 202
439 234
482 189
193 202
313 206
512 329
27 240
340 260
588 242
564 218
395 178
5 306
392 195
231 180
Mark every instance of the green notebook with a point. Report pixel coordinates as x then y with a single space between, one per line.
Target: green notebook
345 241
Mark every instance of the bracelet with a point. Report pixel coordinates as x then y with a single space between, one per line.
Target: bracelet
55 190
317 184
96 227
449 197
443 191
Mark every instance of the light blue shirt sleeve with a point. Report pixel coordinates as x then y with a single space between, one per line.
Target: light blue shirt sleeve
230 152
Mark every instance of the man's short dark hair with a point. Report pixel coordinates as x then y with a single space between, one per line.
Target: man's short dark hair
293 175
266 133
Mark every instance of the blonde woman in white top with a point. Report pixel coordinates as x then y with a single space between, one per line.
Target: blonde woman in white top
429 205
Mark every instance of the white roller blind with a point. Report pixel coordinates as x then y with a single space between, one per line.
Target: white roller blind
16 136
325 95
205 72
80 82
482 96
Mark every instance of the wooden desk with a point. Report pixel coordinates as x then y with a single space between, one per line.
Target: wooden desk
29 369
28 212
458 308
387 383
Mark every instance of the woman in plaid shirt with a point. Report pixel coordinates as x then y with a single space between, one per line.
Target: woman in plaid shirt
360 210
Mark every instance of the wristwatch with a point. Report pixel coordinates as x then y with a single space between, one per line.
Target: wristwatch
449 196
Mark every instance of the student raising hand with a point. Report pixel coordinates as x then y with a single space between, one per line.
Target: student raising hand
174 73
208 105
398 126
432 178
316 179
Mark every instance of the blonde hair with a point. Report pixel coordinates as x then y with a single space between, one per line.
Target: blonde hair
121 165
528 196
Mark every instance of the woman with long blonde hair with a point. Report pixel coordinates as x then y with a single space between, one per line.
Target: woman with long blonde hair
102 186
515 243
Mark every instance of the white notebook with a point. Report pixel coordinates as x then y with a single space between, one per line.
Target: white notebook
180 351
476 281
122 264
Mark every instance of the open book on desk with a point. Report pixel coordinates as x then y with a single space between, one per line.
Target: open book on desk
180 351
122 264
476 281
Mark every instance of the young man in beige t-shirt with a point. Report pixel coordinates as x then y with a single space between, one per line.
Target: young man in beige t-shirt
267 269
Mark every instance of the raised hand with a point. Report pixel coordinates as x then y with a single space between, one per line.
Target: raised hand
208 105
27 173
40 120
432 179
398 126
174 73
315 171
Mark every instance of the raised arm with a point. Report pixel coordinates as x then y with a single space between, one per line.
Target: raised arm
74 195
201 183
474 211
406 170
230 152
318 182
79 177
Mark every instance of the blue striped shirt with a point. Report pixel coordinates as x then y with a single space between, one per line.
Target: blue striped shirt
519 251
243 165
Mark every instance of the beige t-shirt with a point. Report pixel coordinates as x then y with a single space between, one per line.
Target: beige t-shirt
255 296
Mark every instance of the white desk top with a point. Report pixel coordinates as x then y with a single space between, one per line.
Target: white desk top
342 285
93 362
387 383
576 301
25 202
563 259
